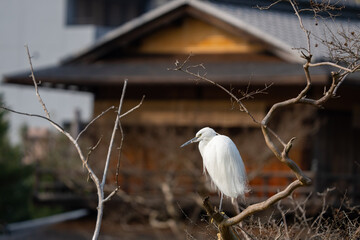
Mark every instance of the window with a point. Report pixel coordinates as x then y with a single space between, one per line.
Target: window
104 12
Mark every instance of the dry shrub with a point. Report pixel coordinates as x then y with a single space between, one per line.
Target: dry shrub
312 218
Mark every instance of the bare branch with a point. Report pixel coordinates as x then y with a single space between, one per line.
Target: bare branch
262 205
99 185
133 108
34 115
247 94
116 124
91 149
183 68
36 84
92 121
283 157
268 6
343 45
307 32
342 79
119 156
111 195
347 63
334 65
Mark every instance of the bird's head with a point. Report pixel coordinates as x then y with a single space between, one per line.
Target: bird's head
205 133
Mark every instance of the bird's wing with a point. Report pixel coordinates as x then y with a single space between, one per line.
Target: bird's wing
225 166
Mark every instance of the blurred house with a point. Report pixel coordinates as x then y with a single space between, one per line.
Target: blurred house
36 141
243 49
52 31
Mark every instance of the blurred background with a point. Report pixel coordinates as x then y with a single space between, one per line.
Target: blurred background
82 50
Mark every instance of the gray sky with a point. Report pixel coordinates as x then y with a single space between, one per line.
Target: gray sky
60 103
40 24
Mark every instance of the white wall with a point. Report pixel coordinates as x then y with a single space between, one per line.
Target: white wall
41 25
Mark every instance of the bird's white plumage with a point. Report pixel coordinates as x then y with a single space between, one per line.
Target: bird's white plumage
224 165
222 161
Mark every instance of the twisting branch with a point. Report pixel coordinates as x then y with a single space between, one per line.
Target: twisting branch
262 205
282 155
337 78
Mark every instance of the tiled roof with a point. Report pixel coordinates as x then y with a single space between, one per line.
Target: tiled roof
284 25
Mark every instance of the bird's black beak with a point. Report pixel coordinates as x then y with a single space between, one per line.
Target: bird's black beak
195 139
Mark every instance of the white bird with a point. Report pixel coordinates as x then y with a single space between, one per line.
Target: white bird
222 161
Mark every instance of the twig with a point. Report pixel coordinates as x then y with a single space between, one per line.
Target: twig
133 108
116 124
33 115
183 68
332 65
283 219
122 139
36 84
307 32
91 149
111 194
119 156
92 121
268 6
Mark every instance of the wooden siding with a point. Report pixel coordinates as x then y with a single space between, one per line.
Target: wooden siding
187 113
337 152
195 36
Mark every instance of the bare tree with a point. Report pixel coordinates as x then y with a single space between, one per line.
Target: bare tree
99 181
344 49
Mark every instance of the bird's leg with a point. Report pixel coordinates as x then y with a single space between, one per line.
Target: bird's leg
221 199
236 205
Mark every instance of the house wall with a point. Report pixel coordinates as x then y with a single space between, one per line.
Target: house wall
153 133
337 153
151 154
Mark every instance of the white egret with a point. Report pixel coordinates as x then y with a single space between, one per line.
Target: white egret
222 161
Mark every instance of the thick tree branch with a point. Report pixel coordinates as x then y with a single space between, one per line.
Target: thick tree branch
262 205
337 78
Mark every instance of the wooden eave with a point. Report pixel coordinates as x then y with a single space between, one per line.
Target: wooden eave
147 72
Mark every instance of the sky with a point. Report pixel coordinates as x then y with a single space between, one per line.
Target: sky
61 104
40 24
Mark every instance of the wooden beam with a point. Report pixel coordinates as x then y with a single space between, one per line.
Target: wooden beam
188 113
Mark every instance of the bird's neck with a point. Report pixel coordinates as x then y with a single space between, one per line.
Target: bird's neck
202 145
